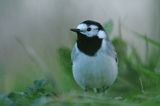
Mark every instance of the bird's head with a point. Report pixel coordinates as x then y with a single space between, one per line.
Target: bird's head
91 29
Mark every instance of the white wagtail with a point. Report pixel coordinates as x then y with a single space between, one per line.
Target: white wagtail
94 60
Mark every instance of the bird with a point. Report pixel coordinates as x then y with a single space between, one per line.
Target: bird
94 59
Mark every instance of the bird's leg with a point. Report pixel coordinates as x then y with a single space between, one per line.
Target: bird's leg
104 89
86 89
96 90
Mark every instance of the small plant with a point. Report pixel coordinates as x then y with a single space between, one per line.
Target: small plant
36 95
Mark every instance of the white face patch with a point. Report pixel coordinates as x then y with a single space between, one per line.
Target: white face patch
82 27
101 34
90 33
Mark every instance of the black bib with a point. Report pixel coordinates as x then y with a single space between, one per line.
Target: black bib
88 45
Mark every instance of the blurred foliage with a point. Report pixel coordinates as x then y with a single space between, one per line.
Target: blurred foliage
108 26
138 83
147 39
64 55
36 95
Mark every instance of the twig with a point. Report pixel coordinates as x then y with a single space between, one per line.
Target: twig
147 47
120 28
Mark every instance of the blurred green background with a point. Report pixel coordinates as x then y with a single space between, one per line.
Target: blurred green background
35 46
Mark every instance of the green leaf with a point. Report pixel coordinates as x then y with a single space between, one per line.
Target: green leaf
147 39
64 55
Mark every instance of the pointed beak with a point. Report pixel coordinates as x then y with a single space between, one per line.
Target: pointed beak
75 30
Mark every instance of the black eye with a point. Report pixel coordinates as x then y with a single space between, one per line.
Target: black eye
88 29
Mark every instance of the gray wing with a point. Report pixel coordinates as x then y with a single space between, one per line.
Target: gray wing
111 50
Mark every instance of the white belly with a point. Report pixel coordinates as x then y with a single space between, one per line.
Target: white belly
94 71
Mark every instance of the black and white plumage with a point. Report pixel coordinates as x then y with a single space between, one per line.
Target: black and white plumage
94 58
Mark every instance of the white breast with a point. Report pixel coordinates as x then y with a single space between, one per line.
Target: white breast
94 71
